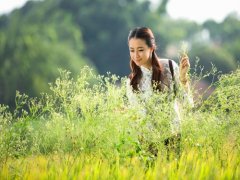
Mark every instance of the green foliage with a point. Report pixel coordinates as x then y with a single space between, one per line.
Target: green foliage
227 31
31 55
226 34
212 56
91 116
225 97
162 9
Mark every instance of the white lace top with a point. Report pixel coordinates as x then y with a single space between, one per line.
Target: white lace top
145 87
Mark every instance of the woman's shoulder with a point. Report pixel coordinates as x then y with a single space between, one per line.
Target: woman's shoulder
163 60
165 63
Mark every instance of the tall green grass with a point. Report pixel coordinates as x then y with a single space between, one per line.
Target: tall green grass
86 128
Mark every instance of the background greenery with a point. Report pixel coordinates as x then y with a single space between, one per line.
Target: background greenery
43 36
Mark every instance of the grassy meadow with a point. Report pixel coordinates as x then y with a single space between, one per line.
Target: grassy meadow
85 129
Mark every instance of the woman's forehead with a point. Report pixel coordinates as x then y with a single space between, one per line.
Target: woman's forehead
137 42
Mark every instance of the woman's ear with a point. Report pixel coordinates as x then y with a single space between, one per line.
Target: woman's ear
151 53
152 49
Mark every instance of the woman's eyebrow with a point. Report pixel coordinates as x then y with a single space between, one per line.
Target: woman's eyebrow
137 47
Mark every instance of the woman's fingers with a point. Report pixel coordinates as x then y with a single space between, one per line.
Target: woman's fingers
185 62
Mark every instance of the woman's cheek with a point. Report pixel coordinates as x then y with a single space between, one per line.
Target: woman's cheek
132 57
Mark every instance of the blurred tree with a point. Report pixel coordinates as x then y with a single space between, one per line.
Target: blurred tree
31 53
162 8
226 34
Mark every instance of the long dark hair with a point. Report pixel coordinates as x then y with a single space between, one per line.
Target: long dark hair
145 34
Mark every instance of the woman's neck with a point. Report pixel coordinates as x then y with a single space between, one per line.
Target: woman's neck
148 65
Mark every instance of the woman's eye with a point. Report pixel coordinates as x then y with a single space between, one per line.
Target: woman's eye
141 50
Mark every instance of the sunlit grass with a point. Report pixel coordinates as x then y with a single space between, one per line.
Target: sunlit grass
191 165
86 129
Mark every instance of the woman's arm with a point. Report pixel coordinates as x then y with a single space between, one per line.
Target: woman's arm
182 79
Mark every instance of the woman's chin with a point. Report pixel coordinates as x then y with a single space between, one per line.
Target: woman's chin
138 63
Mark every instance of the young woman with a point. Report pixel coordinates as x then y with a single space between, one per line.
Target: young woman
150 74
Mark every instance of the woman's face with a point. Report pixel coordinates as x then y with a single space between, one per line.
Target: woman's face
140 53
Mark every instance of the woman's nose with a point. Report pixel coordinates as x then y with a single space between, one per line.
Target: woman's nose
136 55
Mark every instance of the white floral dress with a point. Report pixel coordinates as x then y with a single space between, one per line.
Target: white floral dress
145 87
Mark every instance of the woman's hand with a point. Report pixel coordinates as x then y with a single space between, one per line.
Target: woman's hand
184 68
